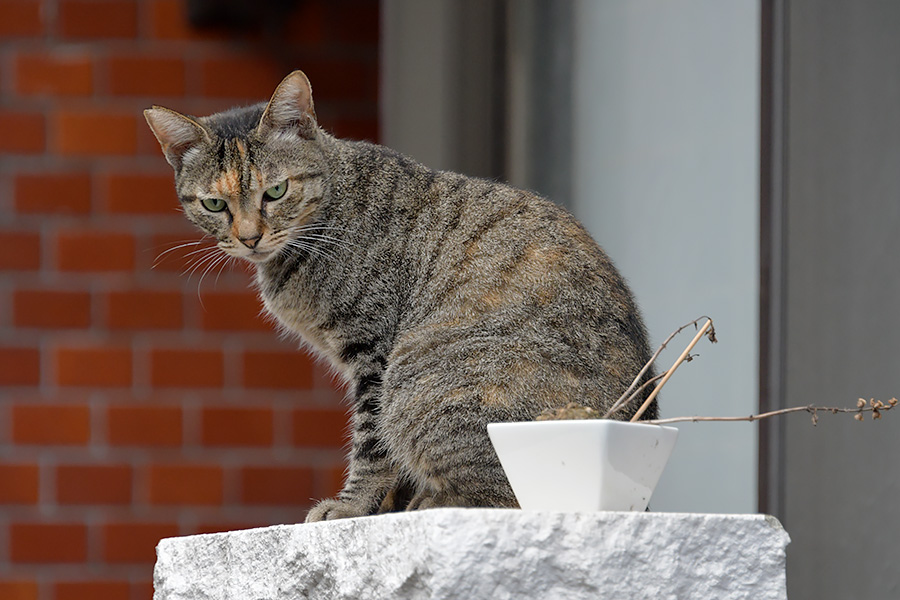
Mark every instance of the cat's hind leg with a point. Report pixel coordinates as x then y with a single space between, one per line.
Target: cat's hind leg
439 403
448 453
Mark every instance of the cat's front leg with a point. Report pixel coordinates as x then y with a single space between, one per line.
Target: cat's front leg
371 474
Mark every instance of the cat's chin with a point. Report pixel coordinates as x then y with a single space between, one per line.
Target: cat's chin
254 256
259 257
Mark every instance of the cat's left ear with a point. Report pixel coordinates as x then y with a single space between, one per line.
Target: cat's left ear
291 108
176 133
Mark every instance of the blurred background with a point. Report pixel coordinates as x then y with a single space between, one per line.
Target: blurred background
737 159
138 402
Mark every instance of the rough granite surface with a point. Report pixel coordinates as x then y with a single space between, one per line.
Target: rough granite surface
470 554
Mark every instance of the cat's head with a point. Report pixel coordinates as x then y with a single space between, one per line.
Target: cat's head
249 177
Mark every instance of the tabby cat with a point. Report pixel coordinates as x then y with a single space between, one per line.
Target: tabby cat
445 302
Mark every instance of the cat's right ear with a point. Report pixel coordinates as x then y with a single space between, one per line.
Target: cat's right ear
291 109
176 133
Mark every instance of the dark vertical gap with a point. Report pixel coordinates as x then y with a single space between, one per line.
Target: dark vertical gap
478 60
772 252
499 121
765 250
552 96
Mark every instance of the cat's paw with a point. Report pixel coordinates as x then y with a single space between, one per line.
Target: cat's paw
328 510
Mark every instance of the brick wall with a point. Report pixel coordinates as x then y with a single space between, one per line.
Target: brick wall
136 402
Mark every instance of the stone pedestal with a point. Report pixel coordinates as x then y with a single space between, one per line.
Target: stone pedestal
472 554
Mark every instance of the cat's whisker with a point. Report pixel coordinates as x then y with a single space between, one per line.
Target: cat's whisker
323 236
198 251
223 258
329 239
317 227
219 259
322 231
310 248
185 244
321 245
207 254
228 262
212 254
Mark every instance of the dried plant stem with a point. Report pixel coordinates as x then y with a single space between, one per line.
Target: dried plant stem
631 393
876 408
703 329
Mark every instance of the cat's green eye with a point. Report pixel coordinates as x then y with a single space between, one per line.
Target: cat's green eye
213 204
276 191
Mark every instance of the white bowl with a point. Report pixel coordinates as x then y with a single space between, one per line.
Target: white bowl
582 465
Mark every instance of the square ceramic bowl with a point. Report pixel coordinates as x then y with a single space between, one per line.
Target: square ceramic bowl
583 465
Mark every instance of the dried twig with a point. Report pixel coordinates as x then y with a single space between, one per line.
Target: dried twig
684 354
631 393
876 407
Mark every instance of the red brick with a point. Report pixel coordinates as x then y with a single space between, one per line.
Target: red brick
186 368
20 251
356 128
359 21
320 428
20 18
144 309
276 486
142 590
331 482
92 133
100 366
20 366
93 251
61 193
18 590
237 427
226 311
93 484
92 590
186 484
98 18
307 24
282 370
131 425
128 193
58 74
51 424
168 20
239 77
23 133
146 76
47 543
18 484
335 80
134 542
50 309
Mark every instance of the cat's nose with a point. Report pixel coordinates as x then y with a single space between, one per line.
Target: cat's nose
251 242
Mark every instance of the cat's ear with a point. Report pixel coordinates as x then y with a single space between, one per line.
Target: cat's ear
291 108
176 133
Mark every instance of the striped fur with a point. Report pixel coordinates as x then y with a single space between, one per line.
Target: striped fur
445 302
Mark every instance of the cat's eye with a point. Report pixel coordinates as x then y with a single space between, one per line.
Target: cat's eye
213 204
276 191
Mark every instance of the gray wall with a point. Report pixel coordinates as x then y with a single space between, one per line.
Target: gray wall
443 83
842 478
665 168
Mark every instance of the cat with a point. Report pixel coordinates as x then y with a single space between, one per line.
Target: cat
445 302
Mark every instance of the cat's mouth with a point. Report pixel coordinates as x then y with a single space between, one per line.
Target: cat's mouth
254 255
259 255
